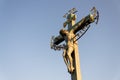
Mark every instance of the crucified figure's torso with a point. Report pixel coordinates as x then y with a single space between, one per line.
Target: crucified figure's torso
67 53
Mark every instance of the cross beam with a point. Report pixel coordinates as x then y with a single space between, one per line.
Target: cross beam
78 26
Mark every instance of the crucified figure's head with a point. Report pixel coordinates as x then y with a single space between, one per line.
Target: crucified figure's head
63 32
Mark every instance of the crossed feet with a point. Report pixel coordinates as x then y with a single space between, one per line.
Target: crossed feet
71 69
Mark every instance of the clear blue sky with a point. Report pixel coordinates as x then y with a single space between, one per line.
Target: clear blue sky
26 27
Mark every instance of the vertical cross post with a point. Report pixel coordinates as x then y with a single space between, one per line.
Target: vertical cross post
76 74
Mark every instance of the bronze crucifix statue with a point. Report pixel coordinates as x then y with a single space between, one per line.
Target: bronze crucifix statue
70 35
